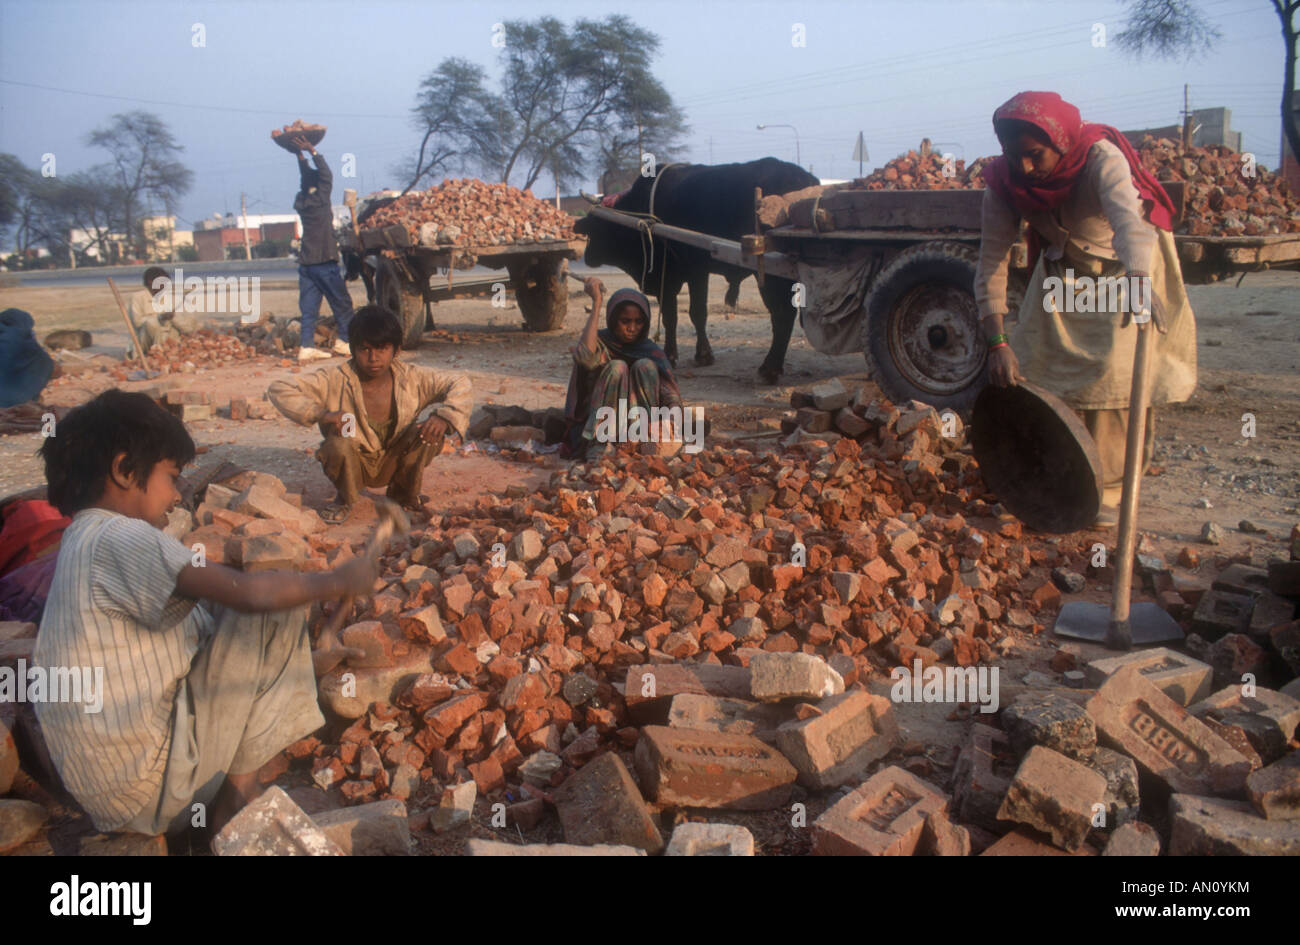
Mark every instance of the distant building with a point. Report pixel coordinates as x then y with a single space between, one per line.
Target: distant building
84 242
161 238
1211 126
213 236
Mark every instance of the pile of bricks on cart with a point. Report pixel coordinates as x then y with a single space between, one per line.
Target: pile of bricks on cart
920 169
1227 193
475 213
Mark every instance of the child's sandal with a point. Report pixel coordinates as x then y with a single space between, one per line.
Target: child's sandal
336 514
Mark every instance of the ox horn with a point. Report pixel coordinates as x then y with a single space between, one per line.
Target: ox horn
594 201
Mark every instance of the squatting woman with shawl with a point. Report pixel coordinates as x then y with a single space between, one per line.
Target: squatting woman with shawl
1093 212
617 362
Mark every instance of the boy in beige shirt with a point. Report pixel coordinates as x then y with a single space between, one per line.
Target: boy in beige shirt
368 411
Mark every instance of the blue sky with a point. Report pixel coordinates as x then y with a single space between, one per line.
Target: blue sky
898 71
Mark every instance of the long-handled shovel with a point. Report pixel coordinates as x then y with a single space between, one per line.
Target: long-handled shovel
1125 624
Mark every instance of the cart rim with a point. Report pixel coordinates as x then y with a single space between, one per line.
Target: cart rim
934 339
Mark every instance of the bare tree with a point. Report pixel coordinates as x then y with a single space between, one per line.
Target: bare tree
144 165
458 117
1169 28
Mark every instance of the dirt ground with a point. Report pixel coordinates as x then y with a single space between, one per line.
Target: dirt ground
1206 470
1248 348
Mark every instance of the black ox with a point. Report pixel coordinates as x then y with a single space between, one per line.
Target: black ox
714 199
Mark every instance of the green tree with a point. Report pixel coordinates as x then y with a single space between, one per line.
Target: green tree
572 99
1169 28
144 166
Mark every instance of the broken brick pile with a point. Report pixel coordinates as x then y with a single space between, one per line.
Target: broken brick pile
190 404
470 212
509 629
724 624
923 169
915 433
205 348
1227 194
251 521
920 169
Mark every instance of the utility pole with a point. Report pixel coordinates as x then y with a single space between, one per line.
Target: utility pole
710 149
1187 119
243 211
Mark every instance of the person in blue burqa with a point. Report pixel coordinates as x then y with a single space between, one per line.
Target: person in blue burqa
25 366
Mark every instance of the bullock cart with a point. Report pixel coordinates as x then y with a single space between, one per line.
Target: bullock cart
891 273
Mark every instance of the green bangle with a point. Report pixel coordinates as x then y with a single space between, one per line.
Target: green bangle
1000 339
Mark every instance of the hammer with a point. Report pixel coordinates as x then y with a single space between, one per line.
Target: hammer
329 652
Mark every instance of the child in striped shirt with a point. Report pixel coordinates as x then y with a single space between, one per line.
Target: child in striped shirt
207 671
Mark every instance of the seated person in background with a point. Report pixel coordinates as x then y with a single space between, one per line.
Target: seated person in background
152 315
204 673
367 409
618 362
25 367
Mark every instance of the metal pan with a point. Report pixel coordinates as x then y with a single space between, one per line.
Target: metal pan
1037 457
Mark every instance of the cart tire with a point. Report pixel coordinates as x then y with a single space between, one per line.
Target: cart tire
404 299
540 292
922 335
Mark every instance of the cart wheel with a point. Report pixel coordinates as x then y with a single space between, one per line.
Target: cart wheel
540 291
922 335
404 299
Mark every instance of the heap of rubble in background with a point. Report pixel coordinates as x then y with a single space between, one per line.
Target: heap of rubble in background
1227 194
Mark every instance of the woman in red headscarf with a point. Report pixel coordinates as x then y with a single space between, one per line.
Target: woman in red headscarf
1094 215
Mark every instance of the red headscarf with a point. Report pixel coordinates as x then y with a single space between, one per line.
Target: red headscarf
1073 137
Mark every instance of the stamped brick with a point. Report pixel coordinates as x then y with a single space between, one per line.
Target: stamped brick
600 803
1163 738
1268 718
689 768
1055 795
836 747
1183 679
1275 791
1211 826
693 839
650 687
884 817
983 773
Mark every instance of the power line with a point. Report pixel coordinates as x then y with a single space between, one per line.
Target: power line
201 107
